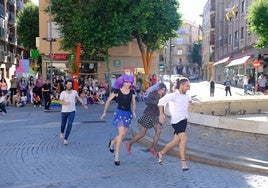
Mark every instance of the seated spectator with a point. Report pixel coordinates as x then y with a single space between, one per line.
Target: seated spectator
3 103
36 100
17 98
23 100
83 96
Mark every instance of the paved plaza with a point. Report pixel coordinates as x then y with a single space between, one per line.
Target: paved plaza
33 156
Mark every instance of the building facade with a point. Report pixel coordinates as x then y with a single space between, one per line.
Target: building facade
10 51
227 41
176 56
124 59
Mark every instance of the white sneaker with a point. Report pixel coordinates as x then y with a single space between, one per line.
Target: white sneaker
65 142
61 135
34 106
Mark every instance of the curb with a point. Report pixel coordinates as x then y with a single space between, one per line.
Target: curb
201 154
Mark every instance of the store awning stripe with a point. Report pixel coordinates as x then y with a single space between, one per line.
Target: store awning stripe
224 60
239 61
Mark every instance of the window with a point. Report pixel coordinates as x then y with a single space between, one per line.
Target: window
55 31
230 39
243 7
236 39
242 33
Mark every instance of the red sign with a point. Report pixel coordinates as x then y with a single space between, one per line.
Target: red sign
256 64
60 56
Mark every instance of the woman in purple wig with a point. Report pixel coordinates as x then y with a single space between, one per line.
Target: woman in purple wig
124 112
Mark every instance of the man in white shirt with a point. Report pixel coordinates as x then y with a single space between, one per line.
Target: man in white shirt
68 99
178 101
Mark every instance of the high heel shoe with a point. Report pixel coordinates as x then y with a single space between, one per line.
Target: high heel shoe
160 158
109 146
117 163
185 168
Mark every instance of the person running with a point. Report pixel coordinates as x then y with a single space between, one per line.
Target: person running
178 108
67 100
123 114
150 117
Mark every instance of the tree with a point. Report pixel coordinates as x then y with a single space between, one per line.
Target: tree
101 24
155 22
257 17
28 26
93 25
197 58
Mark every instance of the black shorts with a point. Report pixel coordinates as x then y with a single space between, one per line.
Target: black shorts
180 127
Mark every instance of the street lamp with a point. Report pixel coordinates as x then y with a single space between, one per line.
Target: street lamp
50 40
170 63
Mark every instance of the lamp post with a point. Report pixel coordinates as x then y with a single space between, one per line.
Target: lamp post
170 63
50 40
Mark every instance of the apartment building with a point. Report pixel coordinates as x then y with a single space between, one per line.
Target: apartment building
227 41
10 51
176 56
124 59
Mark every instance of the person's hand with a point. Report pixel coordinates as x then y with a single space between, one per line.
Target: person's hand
102 116
161 118
134 114
85 106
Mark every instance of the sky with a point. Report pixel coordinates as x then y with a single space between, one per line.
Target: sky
35 2
192 9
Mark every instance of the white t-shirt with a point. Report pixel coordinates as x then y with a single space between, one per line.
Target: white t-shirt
64 96
178 105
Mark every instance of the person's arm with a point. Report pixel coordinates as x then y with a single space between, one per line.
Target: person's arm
134 104
81 101
161 104
110 98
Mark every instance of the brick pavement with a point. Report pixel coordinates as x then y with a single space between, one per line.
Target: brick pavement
32 155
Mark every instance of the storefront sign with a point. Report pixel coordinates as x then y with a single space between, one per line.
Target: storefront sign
60 56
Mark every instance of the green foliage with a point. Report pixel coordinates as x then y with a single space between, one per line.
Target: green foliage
101 24
257 17
97 26
154 22
197 58
28 26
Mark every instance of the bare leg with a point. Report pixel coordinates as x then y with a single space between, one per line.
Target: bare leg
137 137
156 136
183 141
122 130
169 146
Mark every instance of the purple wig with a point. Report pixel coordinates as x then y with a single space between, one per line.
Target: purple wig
120 81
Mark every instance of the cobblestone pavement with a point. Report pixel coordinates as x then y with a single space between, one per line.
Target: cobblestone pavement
32 155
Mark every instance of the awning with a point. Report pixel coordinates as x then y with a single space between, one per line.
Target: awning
239 61
222 61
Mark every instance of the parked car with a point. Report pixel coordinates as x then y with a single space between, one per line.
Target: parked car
194 77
